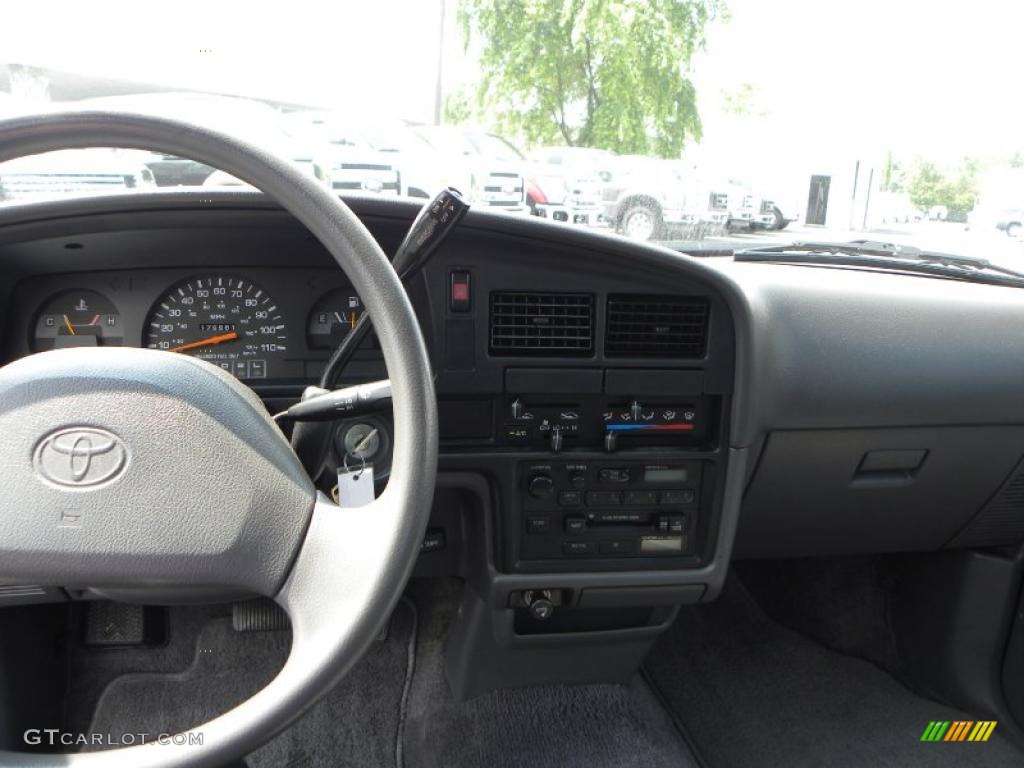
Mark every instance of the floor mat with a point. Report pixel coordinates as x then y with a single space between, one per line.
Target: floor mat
750 692
596 726
92 669
356 724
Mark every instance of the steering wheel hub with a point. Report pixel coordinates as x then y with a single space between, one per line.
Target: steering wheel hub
129 467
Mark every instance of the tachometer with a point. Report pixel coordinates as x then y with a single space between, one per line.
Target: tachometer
230 321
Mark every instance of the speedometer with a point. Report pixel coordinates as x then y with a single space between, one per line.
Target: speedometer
228 321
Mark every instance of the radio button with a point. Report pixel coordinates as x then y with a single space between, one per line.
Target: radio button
575 524
611 475
670 524
570 498
538 525
579 547
603 498
641 498
578 481
616 547
684 496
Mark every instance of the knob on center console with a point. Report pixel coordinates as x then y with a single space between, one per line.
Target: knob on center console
541 486
517 409
556 440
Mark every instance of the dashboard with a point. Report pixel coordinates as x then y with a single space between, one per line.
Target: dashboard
617 421
595 401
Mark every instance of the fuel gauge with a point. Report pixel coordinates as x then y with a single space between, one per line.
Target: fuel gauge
77 319
333 317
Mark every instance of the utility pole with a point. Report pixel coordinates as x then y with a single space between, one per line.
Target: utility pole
438 95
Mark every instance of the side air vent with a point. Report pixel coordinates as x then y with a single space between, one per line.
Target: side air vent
656 326
526 323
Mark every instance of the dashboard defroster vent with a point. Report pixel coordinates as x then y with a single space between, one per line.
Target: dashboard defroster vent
529 323
656 326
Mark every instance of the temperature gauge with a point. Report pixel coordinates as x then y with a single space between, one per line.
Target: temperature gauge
77 319
333 317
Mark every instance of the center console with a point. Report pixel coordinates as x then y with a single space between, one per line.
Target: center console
584 433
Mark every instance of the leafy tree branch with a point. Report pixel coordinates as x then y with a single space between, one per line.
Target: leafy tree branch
613 74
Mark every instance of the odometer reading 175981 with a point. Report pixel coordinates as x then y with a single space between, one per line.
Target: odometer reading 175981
228 321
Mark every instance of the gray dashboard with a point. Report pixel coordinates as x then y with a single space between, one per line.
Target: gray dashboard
798 358
853 348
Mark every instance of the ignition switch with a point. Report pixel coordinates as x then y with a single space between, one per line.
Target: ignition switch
361 441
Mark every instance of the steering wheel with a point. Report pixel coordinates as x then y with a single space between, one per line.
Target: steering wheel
134 468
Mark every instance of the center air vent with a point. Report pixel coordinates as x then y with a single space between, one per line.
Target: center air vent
656 326
525 323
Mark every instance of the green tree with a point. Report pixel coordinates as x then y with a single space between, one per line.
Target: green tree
930 186
742 101
457 108
926 185
893 175
612 74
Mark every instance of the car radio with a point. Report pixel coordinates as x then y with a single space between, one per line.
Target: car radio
608 509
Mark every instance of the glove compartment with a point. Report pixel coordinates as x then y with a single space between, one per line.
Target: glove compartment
845 491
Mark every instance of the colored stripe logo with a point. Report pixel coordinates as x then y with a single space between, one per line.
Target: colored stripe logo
958 730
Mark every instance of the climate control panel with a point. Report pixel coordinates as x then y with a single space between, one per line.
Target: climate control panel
603 423
608 509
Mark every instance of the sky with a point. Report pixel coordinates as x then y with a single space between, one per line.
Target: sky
936 79
919 77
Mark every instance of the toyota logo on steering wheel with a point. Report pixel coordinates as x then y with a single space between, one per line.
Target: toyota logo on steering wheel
80 457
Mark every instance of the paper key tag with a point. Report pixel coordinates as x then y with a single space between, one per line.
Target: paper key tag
355 486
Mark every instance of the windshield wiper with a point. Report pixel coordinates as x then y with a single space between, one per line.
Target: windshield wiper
888 256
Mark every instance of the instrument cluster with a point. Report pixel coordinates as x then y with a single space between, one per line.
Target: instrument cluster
260 325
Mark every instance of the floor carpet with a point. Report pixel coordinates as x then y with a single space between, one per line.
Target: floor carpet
356 724
750 692
582 726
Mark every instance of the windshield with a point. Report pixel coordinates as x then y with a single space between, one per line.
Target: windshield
740 122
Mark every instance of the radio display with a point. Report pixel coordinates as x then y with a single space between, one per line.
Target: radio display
665 475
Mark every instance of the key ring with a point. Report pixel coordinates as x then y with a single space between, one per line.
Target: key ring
362 465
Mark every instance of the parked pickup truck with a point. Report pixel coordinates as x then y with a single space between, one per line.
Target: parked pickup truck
342 147
644 198
74 172
418 169
773 213
565 184
254 121
652 199
747 209
484 167
776 215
